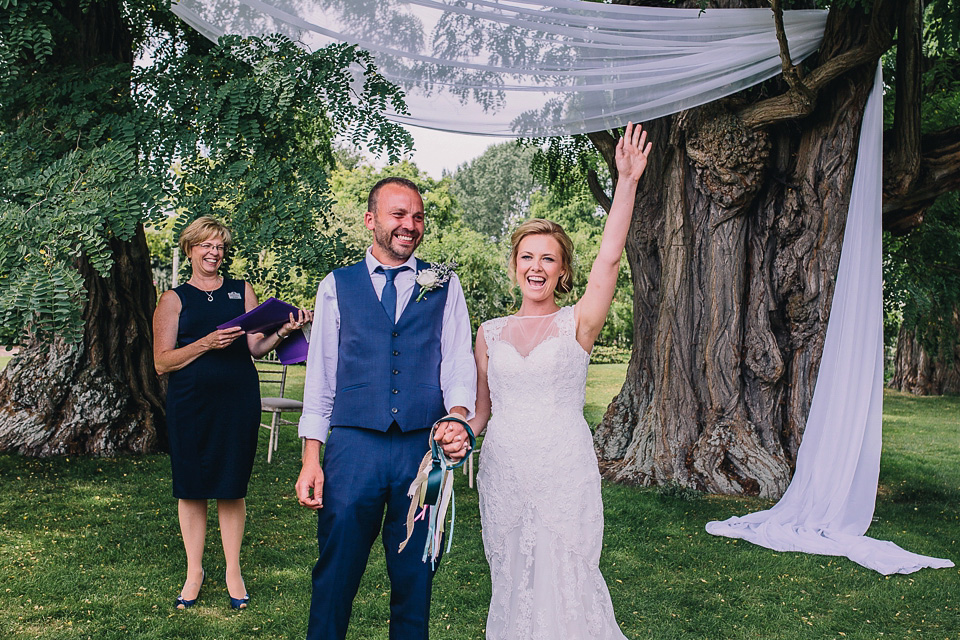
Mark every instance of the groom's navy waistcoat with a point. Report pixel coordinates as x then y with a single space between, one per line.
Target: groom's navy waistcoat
387 372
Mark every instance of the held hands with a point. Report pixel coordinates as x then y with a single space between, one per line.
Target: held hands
222 338
303 316
632 152
452 438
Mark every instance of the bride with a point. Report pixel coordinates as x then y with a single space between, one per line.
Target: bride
540 507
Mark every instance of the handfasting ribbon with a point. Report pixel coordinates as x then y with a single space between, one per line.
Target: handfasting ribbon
433 487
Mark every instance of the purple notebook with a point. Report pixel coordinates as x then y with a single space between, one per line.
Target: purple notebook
268 316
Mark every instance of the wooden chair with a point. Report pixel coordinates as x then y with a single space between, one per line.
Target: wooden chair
273 379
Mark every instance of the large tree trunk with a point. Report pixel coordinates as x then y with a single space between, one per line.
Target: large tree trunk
917 371
101 396
734 248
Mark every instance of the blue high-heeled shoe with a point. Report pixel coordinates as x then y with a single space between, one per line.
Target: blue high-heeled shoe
239 603
182 603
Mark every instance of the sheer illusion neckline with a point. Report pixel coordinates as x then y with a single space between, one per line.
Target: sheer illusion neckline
545 315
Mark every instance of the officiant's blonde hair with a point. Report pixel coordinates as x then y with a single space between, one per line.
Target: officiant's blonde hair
544 227
202 229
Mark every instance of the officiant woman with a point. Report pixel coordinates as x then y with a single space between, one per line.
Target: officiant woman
213 400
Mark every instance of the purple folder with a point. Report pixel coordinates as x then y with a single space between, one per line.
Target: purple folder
269 315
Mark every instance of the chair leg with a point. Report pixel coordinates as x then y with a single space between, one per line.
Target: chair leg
276 431
273 431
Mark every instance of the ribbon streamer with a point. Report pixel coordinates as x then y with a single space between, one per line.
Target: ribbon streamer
432 491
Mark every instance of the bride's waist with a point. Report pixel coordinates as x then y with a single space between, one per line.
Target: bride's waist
523 427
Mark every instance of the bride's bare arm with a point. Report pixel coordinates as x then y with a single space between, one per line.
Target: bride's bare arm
591 311
482 414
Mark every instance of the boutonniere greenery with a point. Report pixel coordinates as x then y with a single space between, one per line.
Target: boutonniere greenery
434 277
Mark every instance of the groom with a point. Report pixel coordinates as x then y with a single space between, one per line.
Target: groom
383 366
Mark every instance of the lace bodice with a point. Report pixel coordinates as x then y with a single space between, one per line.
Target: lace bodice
535 358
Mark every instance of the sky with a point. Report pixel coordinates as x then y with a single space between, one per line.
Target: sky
435 151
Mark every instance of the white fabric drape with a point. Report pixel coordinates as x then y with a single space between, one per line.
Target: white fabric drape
829 504
556 67
521 68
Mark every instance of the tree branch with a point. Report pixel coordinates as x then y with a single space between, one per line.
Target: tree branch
938 173
902 157
800 102
791 73
593 181
606 144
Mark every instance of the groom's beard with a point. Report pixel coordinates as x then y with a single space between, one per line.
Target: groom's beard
390 245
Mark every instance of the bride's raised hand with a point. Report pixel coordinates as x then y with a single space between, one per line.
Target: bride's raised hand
632 152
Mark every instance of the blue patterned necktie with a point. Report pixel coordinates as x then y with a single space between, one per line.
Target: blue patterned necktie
388 298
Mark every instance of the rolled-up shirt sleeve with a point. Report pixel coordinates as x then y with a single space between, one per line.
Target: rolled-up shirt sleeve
322 357
458 370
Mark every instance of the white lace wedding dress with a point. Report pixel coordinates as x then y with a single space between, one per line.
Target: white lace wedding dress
540 507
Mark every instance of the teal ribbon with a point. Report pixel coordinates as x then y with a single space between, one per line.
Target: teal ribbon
434 479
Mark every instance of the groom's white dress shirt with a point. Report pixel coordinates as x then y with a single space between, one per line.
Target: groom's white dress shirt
458 370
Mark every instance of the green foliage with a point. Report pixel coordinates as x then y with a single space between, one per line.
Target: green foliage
563 163
263 113
922 278
160 243
92 146
494 190
482 270
942 22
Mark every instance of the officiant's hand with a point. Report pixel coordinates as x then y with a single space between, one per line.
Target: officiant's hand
222 338
452 437
296 322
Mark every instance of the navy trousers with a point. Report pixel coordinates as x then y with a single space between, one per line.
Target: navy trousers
364 472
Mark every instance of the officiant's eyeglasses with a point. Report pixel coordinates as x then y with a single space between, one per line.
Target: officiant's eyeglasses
206 246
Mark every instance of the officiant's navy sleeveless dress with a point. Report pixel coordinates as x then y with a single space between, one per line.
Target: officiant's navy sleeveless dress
213 404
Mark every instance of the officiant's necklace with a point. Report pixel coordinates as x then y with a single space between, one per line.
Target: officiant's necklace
210 293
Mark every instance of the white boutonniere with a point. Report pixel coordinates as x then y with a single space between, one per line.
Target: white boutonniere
434 277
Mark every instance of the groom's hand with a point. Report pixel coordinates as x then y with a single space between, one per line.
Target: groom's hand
452 437
311 477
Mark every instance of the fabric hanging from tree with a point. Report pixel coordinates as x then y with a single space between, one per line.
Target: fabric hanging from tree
560 67
830 501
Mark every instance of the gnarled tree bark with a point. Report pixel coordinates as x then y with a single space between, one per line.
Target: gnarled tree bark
734 247
101 396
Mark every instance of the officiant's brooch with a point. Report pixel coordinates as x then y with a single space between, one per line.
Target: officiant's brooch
434 277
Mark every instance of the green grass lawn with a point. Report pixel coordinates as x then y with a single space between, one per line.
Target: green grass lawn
91 549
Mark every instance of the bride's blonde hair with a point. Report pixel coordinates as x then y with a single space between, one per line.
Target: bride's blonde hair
542 226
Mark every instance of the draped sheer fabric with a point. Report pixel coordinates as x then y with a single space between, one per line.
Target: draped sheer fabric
520 68
830 501
557 67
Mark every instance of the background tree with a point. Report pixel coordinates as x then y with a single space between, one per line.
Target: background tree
494 190
735 243
89 143
922 263
922 296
